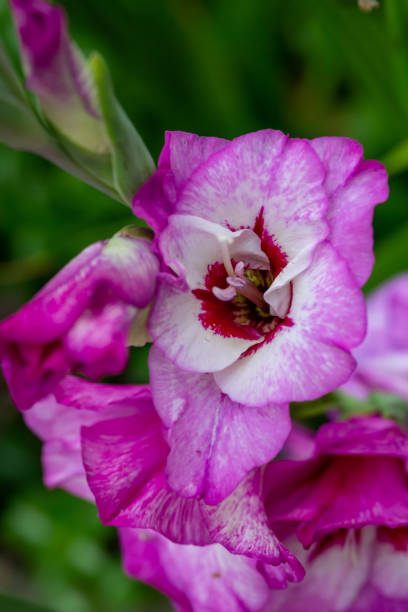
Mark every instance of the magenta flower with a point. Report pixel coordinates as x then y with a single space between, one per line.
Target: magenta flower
265 242
80 321
201 577
382 359
348 506
119 435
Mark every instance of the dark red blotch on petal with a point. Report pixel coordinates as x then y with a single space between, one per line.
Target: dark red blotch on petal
277 258
216 314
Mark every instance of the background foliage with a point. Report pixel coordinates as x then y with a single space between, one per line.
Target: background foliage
214 67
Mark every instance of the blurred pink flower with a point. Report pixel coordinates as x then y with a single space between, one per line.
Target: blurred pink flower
382 359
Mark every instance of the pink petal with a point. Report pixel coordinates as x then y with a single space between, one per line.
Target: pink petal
371 435
205 427
355 187
241 525
124 460
333 581
58 423
181 155
195 577
263 170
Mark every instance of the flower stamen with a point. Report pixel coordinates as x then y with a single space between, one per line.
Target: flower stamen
238 282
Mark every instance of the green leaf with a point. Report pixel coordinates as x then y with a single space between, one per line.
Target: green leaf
12 604
396 160
389 405
391 257
132 162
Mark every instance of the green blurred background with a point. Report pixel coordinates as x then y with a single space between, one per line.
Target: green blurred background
215 67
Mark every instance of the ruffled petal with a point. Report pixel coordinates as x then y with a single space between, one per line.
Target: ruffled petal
262 173
355 187
241 525
320 494
125 460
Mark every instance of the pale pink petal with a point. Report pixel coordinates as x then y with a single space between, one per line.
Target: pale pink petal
389 573
195 577
333 581
142 552
63 468
382 359
214 442
184 152
58 423
262 172
340 157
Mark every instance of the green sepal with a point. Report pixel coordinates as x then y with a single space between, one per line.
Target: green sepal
131 161
20 128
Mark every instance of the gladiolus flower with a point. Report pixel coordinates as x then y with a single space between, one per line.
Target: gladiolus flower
81 320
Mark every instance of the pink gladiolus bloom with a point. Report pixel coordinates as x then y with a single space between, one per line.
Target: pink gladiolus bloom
266 241
81 320
382 359
348 506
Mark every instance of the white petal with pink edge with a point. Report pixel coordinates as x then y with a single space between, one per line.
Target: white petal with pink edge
177 330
